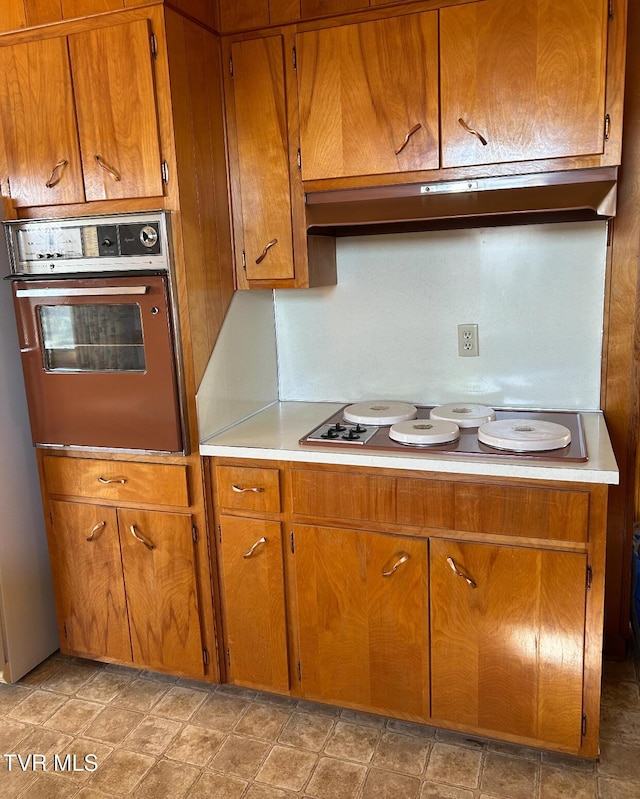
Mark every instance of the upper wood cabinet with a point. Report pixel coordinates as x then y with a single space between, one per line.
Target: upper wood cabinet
70 132
522 80
368 97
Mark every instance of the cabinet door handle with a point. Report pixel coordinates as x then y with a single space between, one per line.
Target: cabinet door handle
454 568
53 180
481 138
263 255
140 538
94 532
240 490
260 541
108 480
103 165
413 130
404 557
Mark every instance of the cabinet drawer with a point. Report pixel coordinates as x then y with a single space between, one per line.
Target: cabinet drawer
117 481
523 511
335 495
246 488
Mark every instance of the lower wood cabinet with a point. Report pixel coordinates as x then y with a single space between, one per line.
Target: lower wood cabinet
126 586
253 596
362 618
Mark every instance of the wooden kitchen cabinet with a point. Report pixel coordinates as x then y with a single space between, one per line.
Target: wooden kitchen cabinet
507 639
271 246
528 77
368 97
70 134
362 619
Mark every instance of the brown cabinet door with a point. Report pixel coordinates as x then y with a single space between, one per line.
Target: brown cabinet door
507 651
528 76
87 569
116 107
252 568
262 160
158 559
368 97
39 124
363 618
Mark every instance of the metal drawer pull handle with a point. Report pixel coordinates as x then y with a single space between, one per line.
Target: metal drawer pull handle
261 257
248 554
404 557
53 180
452 563
239 490
413 130
108 480
92 534
101 163
482 139
140 538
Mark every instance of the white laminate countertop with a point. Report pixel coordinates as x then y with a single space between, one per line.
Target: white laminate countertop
273 434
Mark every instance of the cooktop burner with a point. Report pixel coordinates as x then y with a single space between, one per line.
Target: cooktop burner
336 431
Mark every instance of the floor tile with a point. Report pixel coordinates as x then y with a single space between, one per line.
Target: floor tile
620 725
217 786
68 679
388 785
560 760
50 786
432 791
617 789
219 712
509 776
317 708
112 725
42 672
140 695
306 731
13 782
241 757
263 721
336 779
195 745
11 733
622 695
557 784
104 686
37 707
87 755
267 792
45 742
122 772
353 742
12 695
74 716
619 761
403 753
504 748
167 780
179 703
454 765
152 736
366 719
287 768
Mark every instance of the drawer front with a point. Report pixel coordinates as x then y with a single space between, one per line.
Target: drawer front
247 488
520 511
117 481
336 495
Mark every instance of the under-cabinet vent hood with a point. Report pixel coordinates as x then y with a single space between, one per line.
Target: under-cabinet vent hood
561 196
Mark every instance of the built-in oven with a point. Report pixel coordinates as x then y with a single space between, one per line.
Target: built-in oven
96 325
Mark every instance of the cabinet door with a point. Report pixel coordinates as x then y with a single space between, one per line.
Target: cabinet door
264 201
251 558
116 107
528 76
507 639
158 559
363 618
368 97
87 570
39 124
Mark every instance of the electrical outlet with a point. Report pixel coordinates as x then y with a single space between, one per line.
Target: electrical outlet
468 341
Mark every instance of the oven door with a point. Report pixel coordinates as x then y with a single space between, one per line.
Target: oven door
99 362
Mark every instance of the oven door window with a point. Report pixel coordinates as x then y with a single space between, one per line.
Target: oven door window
92 338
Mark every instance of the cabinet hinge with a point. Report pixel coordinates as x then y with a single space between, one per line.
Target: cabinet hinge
293 543
153 42
299 671
609 232
299 160
228 658
194 534
295 59
219 533
607 127
589 577
205 655
64 628
610 9
164 169
231 66
584 724
244 261
8 186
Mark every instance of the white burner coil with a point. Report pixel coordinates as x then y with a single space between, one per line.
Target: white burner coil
424 432
524 435
379 413
464 414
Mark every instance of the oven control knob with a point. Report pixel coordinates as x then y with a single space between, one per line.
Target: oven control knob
148 236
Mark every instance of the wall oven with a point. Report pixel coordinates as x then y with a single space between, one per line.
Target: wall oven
95 314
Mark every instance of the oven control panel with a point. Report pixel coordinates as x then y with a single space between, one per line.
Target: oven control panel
89 244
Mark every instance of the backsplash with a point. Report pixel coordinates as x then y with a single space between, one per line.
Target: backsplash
389 328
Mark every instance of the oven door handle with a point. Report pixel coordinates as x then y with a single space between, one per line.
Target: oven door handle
82 292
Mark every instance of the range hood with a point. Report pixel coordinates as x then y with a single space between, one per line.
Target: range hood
582 194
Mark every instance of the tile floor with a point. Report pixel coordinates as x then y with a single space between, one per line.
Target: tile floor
154 737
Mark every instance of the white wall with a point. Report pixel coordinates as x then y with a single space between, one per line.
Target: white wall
389 328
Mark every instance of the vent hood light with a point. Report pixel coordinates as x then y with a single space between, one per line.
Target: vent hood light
572 195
